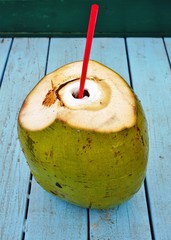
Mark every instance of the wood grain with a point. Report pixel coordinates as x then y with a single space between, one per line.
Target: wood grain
151 76
127 221
25 66
130 220
168 47
4 49
50 217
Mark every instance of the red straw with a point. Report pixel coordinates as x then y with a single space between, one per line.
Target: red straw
90 34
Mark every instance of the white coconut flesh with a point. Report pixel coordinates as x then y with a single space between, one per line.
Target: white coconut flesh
109 105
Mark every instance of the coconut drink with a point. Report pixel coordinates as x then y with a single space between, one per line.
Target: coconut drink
92 151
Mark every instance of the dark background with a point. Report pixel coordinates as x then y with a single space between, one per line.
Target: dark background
70 18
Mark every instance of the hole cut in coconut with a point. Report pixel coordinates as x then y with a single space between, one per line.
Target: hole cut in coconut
68 95
86 93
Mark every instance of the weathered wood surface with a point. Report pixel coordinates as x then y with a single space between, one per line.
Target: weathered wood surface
57 220
25 66
26 210
151 77
112 53
4 50
134 216
167 42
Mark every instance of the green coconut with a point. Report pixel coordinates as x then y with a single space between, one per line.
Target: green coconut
93 151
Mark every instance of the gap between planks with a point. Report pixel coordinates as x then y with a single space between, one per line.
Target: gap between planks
27 205
31 176
6 61
30 182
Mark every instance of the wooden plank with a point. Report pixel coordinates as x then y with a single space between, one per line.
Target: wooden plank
48 216
168 46
111 52
4 49
68 50
127 221
25 66
152 82
65 50
130 220
51 218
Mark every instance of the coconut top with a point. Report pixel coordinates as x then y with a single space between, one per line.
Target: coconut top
108 105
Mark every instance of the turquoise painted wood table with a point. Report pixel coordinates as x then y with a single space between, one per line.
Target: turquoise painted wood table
26 210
